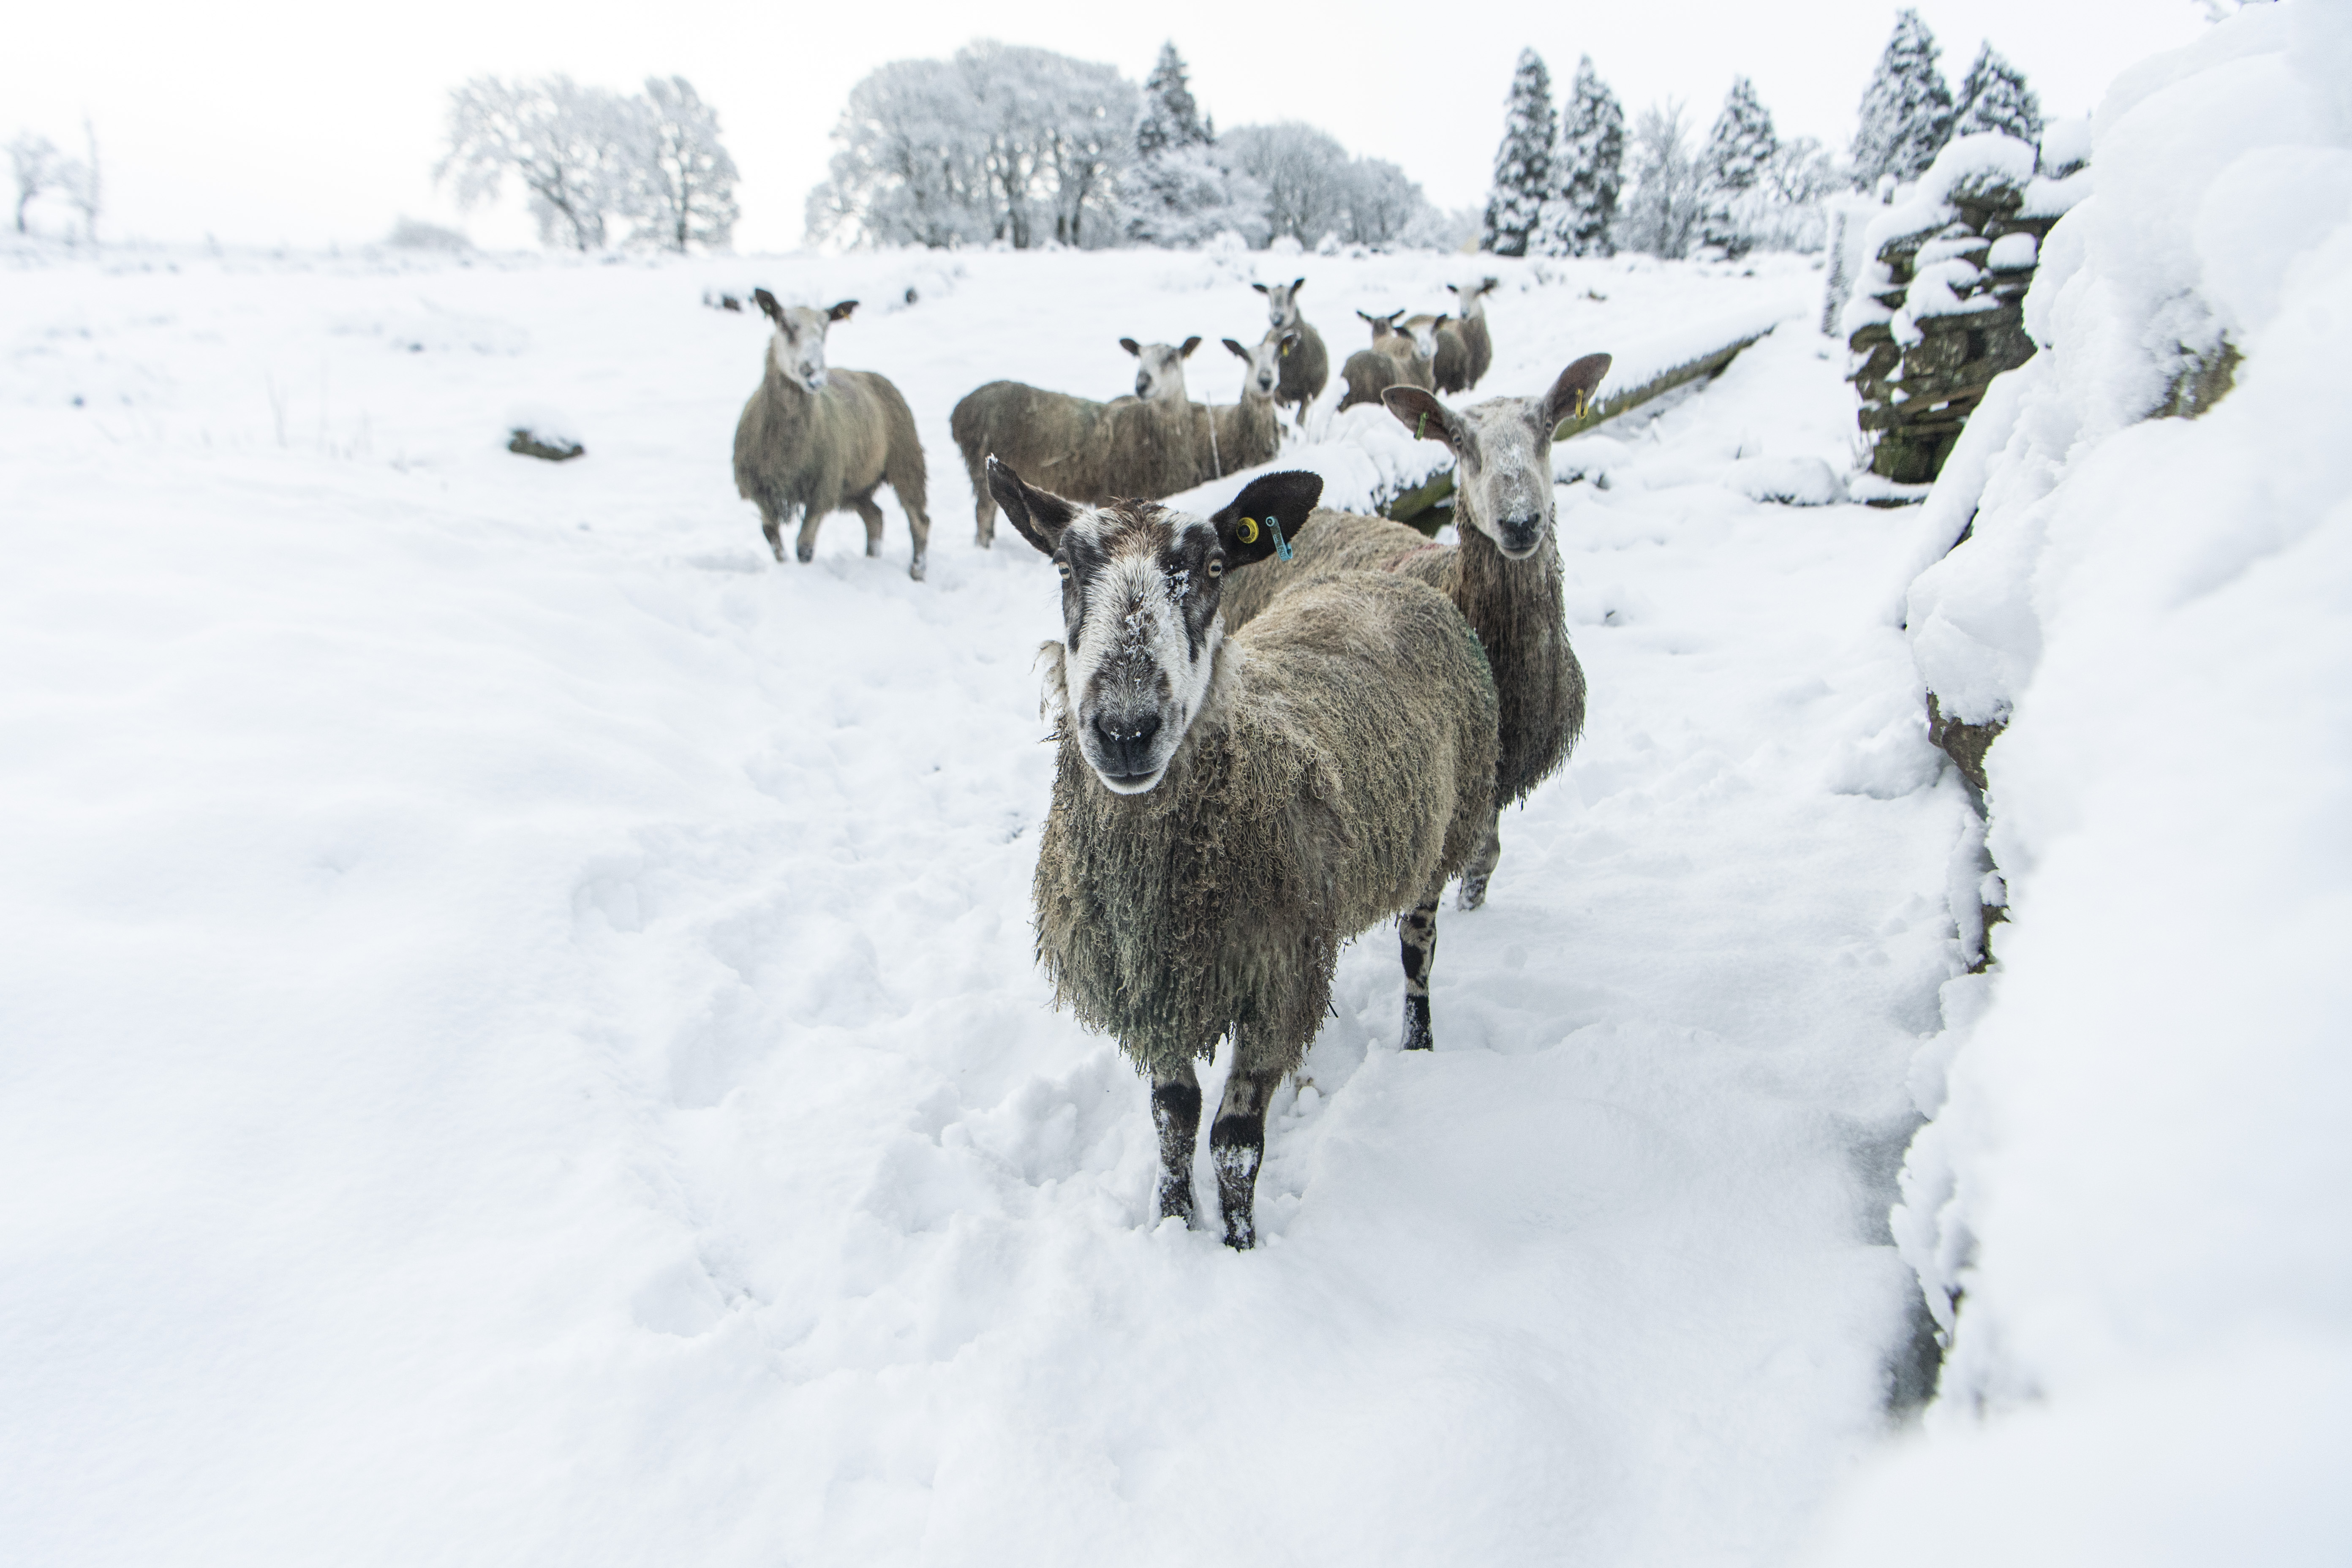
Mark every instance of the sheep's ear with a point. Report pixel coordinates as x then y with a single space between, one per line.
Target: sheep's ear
1239 352
768 306
1571 396
1295 288
1291 340
1269 506
1132 346
1450 289
1039 516
1490 284
1259 286
1369 317
840 312
1427 418
1190 344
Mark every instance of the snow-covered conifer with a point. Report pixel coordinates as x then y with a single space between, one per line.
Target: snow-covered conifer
1738 153
1587 170
687 180
1523 179
1906 111
1995 98
1183 189
1171 116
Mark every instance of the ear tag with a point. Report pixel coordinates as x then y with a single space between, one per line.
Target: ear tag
1421 430
1281 545
1246 531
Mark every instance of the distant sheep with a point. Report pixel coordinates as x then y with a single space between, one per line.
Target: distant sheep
1227 813
1231 436
1465 348
820 441
1306 368
1142 446
1504 575
1393 360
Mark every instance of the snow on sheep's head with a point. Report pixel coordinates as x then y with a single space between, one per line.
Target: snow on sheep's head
1281 302
797 346
1263 363
1159 372
1502 453
1140 586
1422 330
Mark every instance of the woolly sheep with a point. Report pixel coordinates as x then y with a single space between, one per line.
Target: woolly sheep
1393 360
1228 437
822 441
1226 813
1464 347
1306 368
1139 447
1504 576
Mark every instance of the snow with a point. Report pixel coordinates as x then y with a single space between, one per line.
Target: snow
521 1040
2126 1204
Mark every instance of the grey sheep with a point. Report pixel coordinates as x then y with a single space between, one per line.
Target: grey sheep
1306 368
1504 575
1465 348
1139 447
820 441
1227 812
1393 360
1228 437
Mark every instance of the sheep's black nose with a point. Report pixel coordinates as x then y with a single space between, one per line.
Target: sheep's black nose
1142 386
1125 742
1519 533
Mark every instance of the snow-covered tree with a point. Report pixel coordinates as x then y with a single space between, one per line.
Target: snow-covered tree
1906 111
1660 212
1304 173
1587 170
687 181
1739 150
1787 210
1523 178
1183 189
577 152
38 168
909 169
1994 97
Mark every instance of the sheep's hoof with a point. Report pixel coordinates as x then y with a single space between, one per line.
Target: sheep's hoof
807 552
916 570
983 540
873 549
1417 1036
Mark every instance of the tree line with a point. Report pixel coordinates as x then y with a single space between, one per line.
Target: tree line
42 170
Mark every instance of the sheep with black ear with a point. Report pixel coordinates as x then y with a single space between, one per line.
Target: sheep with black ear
1140 447
1504 575
1227 812
1393 360
818 441
1231 436
1464 347
1305 367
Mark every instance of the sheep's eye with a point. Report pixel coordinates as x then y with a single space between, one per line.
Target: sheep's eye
1064 568
1216 568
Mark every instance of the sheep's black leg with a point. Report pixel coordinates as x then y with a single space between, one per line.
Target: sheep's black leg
1482 865
871 515
1419 930
1176 1112
806 546
1237 1145
773 526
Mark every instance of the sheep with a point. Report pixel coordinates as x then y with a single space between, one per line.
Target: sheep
1306 368
824 440
1504 575
1393 360
1226 813
1231 436
1139 447
1464 347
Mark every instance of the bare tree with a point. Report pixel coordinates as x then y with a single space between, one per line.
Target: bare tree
1662 212
687 180
1303 171
37 169
577 150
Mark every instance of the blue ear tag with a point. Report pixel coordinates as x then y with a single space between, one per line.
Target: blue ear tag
1281 545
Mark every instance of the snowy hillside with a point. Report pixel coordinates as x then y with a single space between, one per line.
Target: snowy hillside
519 1034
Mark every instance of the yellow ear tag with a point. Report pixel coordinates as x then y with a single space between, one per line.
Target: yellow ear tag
1247 531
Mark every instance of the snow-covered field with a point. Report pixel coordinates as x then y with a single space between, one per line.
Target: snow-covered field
519 1039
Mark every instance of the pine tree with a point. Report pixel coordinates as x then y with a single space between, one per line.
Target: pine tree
1739 150
1587 170
1170 117
1906 111
1995 98
1523 162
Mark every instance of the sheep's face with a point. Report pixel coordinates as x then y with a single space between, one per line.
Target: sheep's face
796 348
1422 330
1261 370
1160 368
1140 591
1502 453
1281 304
1472 302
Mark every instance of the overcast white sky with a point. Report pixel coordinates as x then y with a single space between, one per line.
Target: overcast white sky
267 120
